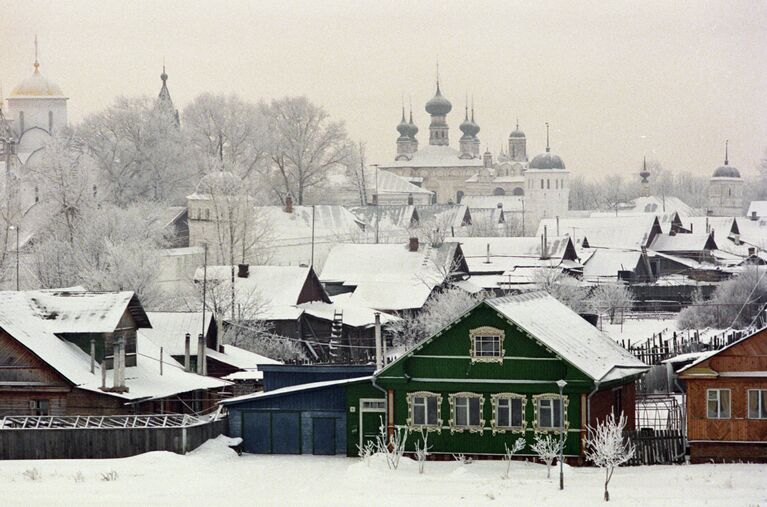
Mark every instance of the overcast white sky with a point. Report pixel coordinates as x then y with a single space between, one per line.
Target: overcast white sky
617 80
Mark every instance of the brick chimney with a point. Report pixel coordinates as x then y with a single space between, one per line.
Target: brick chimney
288 203
410 199
413 245
243 270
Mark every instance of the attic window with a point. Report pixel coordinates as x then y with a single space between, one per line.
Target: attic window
486 344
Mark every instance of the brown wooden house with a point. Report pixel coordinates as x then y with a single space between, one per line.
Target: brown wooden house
76 352
727 402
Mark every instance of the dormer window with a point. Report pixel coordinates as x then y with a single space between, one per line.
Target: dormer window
486 344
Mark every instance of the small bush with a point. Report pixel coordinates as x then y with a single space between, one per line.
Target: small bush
33 474
110 476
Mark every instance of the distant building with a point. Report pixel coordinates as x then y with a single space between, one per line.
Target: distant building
541 185
725 190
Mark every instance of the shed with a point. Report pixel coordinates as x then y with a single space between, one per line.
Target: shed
301 419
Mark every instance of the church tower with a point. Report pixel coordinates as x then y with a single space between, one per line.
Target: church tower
725 189
438 107
645 174
547 190
517 145
403 141
475 131
164 102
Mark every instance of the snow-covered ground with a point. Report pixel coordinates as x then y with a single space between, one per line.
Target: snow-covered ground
214 475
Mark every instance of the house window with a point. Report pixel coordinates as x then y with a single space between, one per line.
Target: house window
41 407
548 412
757 403
718 403
508 412
541 184
423 408
486 344
466 412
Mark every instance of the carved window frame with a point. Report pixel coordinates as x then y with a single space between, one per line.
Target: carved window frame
536 405
421 427
490 332
508 396
471 428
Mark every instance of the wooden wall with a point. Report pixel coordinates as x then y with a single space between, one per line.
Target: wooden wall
738 427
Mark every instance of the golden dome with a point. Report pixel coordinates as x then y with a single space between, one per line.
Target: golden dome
37 85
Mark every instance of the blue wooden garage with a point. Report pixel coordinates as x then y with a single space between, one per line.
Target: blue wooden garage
301 419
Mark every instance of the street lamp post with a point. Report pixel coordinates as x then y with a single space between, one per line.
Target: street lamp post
561 384
16 228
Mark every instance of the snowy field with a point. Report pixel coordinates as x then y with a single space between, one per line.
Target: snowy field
214 475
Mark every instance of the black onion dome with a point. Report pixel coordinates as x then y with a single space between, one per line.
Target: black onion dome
517 133
547 161
412 126
438 105
403 128
726 171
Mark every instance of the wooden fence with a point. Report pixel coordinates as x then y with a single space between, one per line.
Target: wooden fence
661 347
658 447
61 441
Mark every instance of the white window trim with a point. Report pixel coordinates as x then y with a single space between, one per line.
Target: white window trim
486 331
508 396
419 427
759 408
536 406
479 428
719 403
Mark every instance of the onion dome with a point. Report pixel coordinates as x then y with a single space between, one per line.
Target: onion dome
37 85
644 173
517 132
411 125
467 126
403 128
474 125
726 171
438 105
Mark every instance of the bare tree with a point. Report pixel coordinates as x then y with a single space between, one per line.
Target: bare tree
517 446
611 299
303 145
607 449
547 448
562 287
422 450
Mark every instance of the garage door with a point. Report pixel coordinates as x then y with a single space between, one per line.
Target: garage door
271 432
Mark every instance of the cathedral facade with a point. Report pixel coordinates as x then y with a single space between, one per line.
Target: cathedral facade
538 188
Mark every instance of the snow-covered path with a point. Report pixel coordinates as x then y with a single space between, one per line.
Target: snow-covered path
213 475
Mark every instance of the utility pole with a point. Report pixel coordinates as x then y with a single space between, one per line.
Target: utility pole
204 282
311 264
16 228
378 210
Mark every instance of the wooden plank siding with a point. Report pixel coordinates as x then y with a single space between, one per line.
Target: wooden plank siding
739 367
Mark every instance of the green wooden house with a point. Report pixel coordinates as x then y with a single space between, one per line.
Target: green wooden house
491 376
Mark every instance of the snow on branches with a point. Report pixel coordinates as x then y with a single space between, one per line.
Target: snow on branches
547 448
606 447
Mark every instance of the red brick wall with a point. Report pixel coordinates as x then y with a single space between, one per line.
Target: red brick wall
603 403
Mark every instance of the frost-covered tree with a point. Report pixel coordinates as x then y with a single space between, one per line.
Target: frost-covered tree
139 153
562 287
734 303
611 299
509 453
547 448
304 145
607 448
442 308
229 130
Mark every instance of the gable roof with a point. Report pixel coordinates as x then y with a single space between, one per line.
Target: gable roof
293 389
627 232
683 242
389 276
706 357
561 330
22 320
274 290
605 263
169 329
446 215
507 253
758 207
385 182
75 310
388 216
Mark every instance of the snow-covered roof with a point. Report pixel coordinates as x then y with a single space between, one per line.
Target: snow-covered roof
389 183
508 202
626 232
389 276
715 352
293 389
660 205
445 215
388 216
240 358
169 329
506 253
270 292
171 214
20 319
77 311
488 215
760 207
569 335
683 242
435 156
354 314
605 263
330 222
